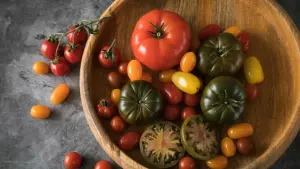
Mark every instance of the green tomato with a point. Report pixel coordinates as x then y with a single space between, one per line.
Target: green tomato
220 55
223 100
140 102
186 82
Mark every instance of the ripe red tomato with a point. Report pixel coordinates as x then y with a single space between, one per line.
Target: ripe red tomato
172 112
171 93
103 164
48 47
73 160
187 163
106 108
123 68
209 31
60 67
77 37
73 54
160 38
191 99
117 124
244 38
187 112
252 91
129 140
109 56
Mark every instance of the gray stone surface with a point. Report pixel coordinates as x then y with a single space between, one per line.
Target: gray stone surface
26 143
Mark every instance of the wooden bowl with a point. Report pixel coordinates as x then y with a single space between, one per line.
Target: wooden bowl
275 41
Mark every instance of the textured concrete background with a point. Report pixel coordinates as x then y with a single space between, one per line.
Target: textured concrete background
26 143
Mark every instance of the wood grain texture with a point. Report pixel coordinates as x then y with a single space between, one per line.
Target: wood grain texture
275 41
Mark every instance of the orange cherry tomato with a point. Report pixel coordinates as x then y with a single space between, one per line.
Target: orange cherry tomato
218 162
40 112
240 130
40 68
234 30
134 70
59 94
115 95
188 62
165 76
228 147
147 77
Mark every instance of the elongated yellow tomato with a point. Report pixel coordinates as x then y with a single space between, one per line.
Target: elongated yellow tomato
165 76
115 95
241 130
40 68
234 30
188 62
218 162
228 147
59 94
40 111
134 70
253 70
186 82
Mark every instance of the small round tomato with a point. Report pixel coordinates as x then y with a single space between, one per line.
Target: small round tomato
79 36
109 56
209 31
244 38
191 99
117 124
40 112
60 67
129 140
234 30
245 146
188 62
252 91
73 53
40 68
48 47
165 76
73 160
134 70
187 112
115 95
103 164
59 94
123 68
172 112
115 79
106 108
147 77
187 163
171 93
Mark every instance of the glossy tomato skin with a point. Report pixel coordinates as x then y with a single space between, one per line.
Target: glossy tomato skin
244 38
191 99
117 124
209 31
172 112
187 163
48 49
187 112
103 164
123 68
80 36
73 160
171 93
108 62
60 68
163 50
73 54
129 140
252 91
106 108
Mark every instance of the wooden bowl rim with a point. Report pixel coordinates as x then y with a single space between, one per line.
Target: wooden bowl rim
266 159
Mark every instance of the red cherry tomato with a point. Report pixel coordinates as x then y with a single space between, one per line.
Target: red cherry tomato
187 163
48 47
77 37
103 164
60 67
191 99
117 124
187 112
106 108
129 140
172 112
109 56
209 31
73 160
171 93
123 68
73 54
252 91
244 38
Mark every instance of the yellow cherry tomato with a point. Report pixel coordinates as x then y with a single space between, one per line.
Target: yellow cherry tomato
40 68
234 30
59 94
253 70
115 95
186 82
240 130
165 76
228 147
188 62
147 77
134 70
218 162
40 111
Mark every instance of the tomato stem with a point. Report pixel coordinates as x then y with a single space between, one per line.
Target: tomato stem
104 103
159 33
109 53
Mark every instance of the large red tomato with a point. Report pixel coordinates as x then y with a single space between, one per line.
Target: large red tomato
160 38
